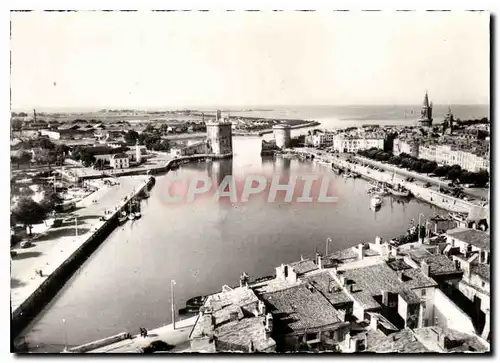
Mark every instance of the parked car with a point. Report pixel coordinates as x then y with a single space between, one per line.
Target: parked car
427 185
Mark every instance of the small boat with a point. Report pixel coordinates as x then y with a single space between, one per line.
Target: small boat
194 304
376 201
131 214
399 191
122 218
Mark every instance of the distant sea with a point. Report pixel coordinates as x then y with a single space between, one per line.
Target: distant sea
369 114
342 116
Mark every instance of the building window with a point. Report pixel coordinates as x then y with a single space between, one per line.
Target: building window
424 292
424 305
483 284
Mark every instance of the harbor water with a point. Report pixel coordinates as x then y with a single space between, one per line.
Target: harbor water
203 245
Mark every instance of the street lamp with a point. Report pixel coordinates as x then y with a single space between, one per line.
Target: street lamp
172 284
65 336
420 215
328 240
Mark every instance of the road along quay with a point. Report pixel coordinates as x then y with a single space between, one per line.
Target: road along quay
62 250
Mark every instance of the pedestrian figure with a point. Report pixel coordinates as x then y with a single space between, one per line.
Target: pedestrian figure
145 332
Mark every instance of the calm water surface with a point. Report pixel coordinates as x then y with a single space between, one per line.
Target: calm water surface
125 284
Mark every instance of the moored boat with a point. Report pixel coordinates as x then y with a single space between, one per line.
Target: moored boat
399 191
376 201
122 218
194 304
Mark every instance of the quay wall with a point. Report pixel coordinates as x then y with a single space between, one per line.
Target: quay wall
100 343
430 196
32 306
141 171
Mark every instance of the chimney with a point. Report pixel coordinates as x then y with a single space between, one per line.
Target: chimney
385 298
262 308
425 268
250 347
378 240
342 280
373 322
400 275
269 323
361 251
443 341
319 261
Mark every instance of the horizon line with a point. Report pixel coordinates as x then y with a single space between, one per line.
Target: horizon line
216 107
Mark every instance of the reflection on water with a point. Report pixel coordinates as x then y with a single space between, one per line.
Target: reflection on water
204 245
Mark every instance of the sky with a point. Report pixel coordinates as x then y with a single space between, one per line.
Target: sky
93 60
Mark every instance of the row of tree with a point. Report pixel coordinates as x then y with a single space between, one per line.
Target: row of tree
45 153
28 212
453 173
151 138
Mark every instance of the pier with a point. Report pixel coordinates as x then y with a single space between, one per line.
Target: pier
61 250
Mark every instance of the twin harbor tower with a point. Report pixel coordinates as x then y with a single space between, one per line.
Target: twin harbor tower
220 136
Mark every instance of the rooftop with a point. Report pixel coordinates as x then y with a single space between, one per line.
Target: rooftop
303 266
403 341
242 332
222 305
438 264
325 283
298 309
120 156
482 270
457 341
370 281
475 237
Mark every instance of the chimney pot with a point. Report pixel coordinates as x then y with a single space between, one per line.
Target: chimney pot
361 251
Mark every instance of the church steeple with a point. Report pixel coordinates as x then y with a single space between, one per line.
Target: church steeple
426 112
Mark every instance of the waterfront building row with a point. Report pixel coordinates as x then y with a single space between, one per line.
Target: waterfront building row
443 154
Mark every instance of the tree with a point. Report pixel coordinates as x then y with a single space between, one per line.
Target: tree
45 143
25 157
481 178
453 174
441 170
16 125
50 200
61 151
465 177
29 212
87 159
429 167
131 137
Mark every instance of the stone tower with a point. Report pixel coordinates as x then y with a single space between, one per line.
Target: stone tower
425 113
219 136
448 119
282 136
